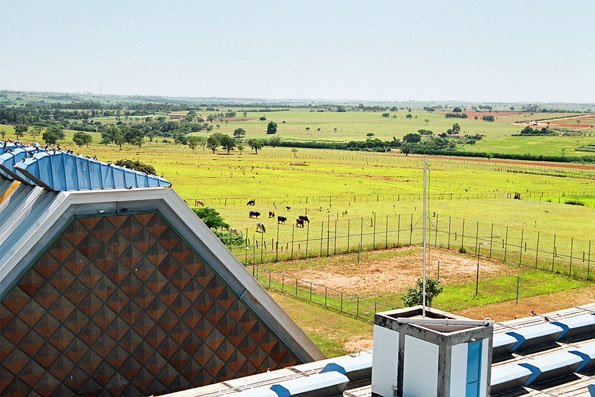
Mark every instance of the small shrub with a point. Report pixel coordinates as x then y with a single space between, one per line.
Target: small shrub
462 250
574 202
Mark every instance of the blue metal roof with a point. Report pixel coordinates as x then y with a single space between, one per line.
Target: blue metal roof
551 365
329 383
10 158
354 367
576 325
503 343
587 354
6 146
510 376
535 335
61 171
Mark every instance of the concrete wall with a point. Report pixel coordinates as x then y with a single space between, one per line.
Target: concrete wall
385 361
458 370
420 376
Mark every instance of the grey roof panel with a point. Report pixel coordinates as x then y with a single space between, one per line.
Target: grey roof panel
549 366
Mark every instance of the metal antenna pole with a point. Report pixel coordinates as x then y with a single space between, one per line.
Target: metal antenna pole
424 239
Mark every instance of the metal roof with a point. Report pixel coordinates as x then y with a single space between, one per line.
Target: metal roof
64 171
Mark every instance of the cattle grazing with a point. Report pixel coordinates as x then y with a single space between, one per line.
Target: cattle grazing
260 227
299 222
254 214
235 232
281 219
304 218
251 202
288 208
198 202
271 214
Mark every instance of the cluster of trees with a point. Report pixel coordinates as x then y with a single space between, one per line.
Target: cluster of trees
456 115
488 118
137 166
536 131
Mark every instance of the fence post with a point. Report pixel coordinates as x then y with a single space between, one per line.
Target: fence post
261 247
246 241
518 282
348 234
463 235
521 246
386 234
398 230
553 253
269 279
436 232
307 239
449 224
277 245
357 307
589 262
361 232
296 286
335 244
341 300
310 291
411 229
321 237
282 282
491 239
477 272
292 239
571 249
537 250
325 295
505 245
328 234
374 234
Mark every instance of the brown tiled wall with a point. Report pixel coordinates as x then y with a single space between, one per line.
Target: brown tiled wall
121 305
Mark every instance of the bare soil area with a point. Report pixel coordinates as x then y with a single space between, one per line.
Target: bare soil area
393 271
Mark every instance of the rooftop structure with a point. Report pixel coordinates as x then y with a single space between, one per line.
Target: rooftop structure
565 367
109 284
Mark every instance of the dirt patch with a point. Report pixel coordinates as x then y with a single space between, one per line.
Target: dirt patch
394 271
507 311
539 304
357 344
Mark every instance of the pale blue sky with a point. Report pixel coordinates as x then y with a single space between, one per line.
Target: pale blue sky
512 50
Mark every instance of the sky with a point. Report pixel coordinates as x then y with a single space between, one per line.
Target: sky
492 51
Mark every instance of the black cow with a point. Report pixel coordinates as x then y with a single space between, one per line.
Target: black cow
304 218
251 202
254 214
281 219
299 222
260 228
271 214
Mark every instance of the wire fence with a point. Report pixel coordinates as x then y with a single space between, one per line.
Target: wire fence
560 197
525 247
329 298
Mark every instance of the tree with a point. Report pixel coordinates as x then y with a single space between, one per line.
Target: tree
294 151
426 121
262 118
369 135
80 138
412 138
457 110
272 127
275 141
50 137
241 147
210 217
213 143
20 130
456 128
194 141
228 143
255 144
239 132
138 140
414 296
405 149
119 137
136 165
35 131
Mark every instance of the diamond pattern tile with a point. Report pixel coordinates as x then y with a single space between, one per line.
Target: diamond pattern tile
122 305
